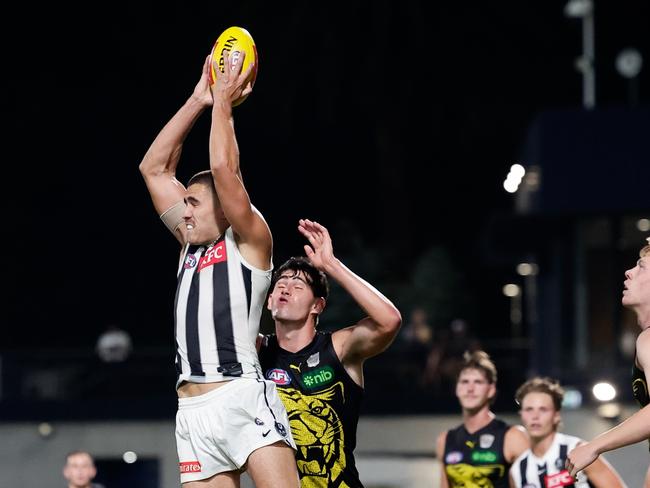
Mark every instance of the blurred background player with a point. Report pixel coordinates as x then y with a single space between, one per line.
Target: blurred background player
543 465
479 451
79 470
636 296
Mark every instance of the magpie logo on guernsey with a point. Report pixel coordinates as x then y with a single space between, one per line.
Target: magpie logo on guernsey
558 480
282 430
190 261
215 254
190 467
278 376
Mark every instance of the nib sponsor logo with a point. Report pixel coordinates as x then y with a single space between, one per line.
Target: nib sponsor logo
318 377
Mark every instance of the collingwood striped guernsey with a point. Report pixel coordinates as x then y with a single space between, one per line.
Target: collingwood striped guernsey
549 471
218 306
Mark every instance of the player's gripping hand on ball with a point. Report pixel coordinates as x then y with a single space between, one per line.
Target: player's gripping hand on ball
232 84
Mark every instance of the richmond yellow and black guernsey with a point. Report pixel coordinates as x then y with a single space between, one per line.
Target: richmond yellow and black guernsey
323 405
477 459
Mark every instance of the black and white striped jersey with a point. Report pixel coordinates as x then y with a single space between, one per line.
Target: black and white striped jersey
548 471
218 306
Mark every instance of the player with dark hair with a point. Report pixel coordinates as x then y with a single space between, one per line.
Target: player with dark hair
320 374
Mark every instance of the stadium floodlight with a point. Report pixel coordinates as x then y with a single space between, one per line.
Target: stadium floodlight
514 177
584 10
572 398
610 411
629 63
527 269
511 290
578 9
604 391
643 225
45 430
129 457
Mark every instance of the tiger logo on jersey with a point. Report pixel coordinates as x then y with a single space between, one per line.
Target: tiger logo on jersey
318 433
469 476
640 390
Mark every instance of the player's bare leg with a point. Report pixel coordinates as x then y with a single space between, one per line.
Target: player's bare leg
229 479
274 466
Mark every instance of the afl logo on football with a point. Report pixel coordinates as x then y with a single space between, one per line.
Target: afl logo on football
190 261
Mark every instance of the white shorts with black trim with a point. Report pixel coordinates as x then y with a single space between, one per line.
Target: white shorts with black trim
217 431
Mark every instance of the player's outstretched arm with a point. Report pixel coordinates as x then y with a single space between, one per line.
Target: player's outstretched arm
158 167
601 474
374 333
253 234
632 430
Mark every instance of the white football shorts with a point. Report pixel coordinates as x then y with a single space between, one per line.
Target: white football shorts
217 431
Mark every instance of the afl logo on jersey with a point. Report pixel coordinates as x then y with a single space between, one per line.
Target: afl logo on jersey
190 261
278 376
454 457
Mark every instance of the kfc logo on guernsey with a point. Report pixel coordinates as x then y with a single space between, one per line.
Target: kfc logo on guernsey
558 480
278 376
190 467
215 254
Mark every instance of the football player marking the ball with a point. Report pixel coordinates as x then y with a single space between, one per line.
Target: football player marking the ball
320 374
229 418
479 451
543 465
636 296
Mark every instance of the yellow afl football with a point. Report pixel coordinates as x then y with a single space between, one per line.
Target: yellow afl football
234 40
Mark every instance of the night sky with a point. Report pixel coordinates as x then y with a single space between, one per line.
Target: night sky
392 123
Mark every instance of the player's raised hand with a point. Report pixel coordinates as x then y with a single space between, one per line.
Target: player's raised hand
232 84
579 458
319 251
202 92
